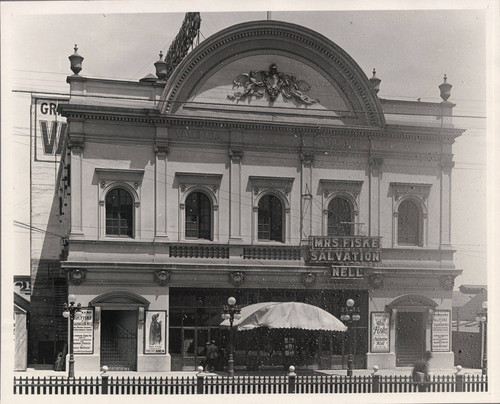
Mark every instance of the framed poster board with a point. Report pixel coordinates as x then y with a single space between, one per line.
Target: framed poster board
441 330
155 327
379 332
83 331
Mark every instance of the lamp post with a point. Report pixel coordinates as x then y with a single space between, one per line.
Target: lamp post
69 311
231 312
350 315
483 318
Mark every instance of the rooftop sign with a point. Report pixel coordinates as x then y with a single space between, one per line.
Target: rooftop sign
345 249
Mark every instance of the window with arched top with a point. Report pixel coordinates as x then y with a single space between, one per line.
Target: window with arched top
119 213
270 219
409 223
198 216
340 217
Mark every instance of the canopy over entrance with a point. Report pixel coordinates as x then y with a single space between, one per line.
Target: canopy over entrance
286 315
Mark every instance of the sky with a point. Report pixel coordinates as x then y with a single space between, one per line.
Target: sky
410 49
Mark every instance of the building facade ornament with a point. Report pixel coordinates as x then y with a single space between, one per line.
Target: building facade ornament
161 149
162 277
448 282
307 158
376 280
236 154
258 83
308 279
237 278
77 276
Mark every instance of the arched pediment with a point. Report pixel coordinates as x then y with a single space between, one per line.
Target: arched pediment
412 300
301 77
119 298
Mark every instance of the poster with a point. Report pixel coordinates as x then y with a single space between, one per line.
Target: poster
83 331
154 332
441 331
380 332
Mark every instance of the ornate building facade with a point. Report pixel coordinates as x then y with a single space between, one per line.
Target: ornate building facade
264 167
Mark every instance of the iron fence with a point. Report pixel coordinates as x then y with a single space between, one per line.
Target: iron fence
209 384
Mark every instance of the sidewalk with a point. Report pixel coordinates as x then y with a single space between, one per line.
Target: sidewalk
30 372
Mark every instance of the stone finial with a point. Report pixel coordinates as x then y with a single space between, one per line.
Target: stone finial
161 67
76 61
375 82
445 89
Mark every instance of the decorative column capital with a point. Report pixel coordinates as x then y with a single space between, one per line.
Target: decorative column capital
161 150
76 146
446 165
236 154
307 158
375 164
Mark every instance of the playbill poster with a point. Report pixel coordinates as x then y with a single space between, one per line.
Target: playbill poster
154 330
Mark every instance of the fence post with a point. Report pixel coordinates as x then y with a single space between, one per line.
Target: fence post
105 380
199 380
375 380
459 380
291 379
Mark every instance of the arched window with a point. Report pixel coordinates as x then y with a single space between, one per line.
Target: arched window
198 216
270 219
409 223
340 218
119 213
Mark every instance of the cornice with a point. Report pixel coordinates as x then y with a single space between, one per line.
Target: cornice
146 118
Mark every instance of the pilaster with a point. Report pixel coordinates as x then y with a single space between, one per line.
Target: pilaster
161 150
235 156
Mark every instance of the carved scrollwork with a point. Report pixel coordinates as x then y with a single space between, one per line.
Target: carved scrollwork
258 83
448 282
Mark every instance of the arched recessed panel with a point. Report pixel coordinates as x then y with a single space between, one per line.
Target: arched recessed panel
202 82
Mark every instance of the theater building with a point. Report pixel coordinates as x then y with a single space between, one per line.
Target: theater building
264 167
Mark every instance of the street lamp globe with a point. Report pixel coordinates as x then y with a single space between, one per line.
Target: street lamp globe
65 313
72 298
350 302
485 305
231 301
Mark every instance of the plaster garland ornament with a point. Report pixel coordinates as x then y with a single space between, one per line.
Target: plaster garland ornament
308 278
260 82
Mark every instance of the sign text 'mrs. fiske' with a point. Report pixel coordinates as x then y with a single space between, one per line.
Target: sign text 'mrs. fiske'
348 249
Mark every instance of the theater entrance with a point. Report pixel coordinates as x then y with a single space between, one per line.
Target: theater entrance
119 339
410 338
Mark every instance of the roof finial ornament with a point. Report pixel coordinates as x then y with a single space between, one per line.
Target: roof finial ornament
375 82
76 61
161 68
445 89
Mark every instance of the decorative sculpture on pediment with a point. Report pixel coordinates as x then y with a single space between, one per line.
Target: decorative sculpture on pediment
259 82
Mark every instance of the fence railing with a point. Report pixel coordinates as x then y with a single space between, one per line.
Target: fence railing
209 384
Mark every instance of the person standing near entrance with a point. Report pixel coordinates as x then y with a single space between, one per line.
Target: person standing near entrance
420 373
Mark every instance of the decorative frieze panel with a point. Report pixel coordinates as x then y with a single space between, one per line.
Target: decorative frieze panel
261 184
400 189
330 187
199 251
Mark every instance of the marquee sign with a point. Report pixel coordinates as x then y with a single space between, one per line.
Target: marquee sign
344 250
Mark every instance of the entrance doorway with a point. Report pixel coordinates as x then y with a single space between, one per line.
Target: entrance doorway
119 339
410 338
